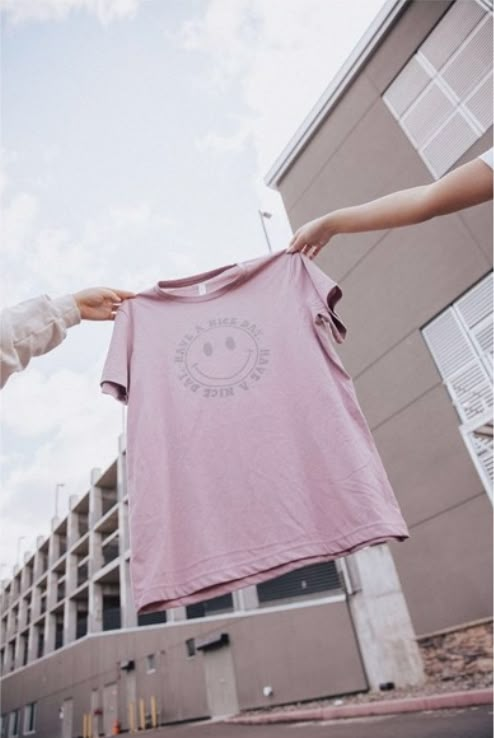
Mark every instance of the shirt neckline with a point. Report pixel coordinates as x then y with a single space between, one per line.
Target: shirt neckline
241 273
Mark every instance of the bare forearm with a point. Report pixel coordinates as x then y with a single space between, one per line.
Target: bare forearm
391 211
468 185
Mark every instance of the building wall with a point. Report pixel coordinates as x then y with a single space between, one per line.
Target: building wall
302 653
393 283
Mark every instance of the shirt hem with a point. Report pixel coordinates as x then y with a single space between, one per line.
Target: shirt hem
214 584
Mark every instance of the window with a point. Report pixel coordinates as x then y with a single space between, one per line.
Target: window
29 714
309 580
442 98
152 618
214 606
3 726
461 343
14 724
150 663
190 645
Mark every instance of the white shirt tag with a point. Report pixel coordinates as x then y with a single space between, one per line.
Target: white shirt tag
202 288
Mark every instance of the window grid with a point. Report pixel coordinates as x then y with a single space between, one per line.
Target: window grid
438 83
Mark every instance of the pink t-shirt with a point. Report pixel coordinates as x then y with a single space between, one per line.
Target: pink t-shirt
248 455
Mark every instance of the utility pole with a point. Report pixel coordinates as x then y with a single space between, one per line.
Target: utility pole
262 215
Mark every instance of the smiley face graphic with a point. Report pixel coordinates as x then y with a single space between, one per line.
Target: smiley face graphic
221 356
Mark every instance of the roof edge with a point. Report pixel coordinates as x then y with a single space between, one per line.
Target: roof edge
338 85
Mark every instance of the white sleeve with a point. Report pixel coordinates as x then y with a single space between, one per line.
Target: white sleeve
487 157
32 328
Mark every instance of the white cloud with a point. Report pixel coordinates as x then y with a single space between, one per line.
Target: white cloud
138 217
27 407
280 54
224 143
106 11
122 246
60 442
18 222
57 424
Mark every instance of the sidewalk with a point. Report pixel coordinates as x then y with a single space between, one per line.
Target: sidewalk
433 695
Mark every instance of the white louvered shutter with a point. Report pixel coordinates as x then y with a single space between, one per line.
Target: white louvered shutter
413 79
463 372
449 144
451 31
480 103
461 343
470 65
442 98
433 108
476 311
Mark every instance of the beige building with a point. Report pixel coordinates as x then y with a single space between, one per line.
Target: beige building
417 301
411 103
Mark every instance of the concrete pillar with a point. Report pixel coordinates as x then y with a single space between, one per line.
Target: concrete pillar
10 619
95 553
50 631
69 621
19 651
53 549
121 468
123 527
8 658
176 614
127 607
246 598
21 614
71 574
32 644
37 560
35 603
95 499
4 598
95 608
72 522
51 589
382 622
25 573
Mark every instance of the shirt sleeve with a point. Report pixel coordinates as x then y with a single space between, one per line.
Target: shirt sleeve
327 294
115 379
487 157
32 328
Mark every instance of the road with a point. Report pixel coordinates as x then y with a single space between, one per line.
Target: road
472 722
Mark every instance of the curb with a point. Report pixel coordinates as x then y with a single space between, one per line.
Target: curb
466 698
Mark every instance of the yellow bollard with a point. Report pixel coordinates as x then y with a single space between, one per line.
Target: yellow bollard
90 725
154 716
142 716
84 726
132 718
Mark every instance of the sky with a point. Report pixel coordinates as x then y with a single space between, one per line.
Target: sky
135 139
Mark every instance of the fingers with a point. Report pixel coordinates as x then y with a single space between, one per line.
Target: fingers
117 295
124 294
311 250
302 242
296 242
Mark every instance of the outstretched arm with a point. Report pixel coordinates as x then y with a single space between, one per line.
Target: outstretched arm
36 326
469 184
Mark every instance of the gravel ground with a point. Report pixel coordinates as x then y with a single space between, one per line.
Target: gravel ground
431 686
